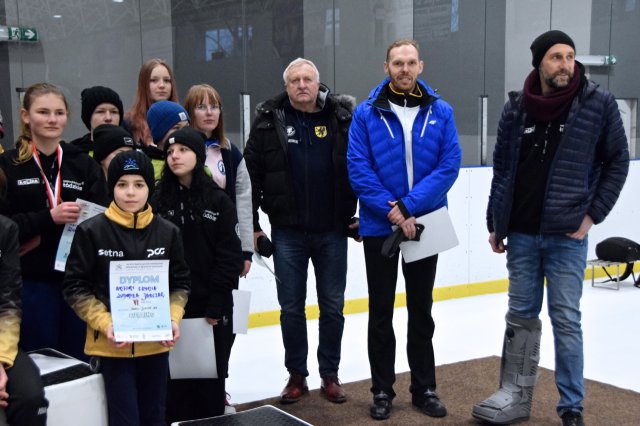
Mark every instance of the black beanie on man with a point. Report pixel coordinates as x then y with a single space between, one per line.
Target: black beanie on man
131 163
107 138
191 138
94 96
543 43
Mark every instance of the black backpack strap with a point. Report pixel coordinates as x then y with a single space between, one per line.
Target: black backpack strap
628 270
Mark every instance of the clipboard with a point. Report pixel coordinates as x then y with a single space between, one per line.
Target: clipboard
438 236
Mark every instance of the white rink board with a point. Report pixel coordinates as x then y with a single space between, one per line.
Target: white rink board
472 261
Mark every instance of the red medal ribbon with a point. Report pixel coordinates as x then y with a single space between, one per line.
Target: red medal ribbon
53 197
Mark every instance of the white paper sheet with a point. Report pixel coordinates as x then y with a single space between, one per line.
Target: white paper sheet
241 306
87 211
194 355
438 236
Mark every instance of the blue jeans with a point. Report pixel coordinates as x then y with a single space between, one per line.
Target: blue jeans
561 260
328 252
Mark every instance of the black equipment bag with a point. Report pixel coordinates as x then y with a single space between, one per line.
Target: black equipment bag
622 250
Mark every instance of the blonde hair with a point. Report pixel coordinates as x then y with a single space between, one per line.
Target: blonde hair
23 145
402 42
196 96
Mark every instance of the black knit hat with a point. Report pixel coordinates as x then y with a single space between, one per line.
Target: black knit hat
94 96
191 138
131 163
107 138
543 43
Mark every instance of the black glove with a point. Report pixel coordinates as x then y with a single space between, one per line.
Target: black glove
391 244
265 246
353 232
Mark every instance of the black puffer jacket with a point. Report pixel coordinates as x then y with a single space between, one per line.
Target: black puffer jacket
10 286
267 162
587 172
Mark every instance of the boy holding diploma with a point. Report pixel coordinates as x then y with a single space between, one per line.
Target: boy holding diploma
135 373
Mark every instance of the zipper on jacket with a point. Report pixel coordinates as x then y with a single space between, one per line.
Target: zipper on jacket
96 333
424 126
133 350
387 124
307 202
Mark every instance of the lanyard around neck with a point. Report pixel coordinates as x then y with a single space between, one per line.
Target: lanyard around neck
53 190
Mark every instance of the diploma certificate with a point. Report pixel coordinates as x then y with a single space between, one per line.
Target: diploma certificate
139 294
87 211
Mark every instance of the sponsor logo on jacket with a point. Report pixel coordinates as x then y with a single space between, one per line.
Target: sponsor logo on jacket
208 214
110 253
30 181
70 184
155 252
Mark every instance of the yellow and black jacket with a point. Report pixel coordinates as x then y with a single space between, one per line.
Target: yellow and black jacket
10 286
118 235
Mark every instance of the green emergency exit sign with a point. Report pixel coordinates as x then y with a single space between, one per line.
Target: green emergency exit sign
22 34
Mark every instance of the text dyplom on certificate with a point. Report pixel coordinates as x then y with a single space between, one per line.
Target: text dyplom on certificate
139 294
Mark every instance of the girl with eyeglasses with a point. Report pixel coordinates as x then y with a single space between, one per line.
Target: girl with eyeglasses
224 160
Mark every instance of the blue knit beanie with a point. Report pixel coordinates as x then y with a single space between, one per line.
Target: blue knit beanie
162 116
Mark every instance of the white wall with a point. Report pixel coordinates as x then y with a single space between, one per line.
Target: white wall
472 261
527 19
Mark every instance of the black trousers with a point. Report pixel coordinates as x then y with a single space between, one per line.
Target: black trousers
27 405
382 275
191 399
136 389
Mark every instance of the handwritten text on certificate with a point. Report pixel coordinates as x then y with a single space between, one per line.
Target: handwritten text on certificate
139 294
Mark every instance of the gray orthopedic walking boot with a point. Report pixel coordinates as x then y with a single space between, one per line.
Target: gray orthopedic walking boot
518 374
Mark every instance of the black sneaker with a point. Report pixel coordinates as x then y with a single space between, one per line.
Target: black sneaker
572 418
429 403
381 407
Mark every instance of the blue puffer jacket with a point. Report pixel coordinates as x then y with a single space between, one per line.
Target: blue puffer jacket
587 172
376 158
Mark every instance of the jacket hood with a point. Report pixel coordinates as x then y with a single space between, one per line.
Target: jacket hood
348 102
84 143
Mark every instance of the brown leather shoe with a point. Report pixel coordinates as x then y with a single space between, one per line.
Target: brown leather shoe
332 389
296 388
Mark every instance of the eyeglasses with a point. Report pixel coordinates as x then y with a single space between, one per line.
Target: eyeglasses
203 107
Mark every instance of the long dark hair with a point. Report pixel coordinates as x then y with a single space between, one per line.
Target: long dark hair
199 197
